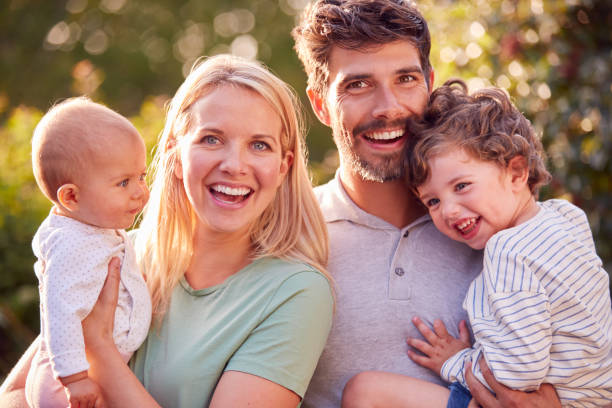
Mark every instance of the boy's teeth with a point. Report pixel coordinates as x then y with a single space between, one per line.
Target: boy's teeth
466 224
394 134
235 191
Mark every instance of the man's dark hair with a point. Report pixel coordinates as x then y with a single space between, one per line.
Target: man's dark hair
354 25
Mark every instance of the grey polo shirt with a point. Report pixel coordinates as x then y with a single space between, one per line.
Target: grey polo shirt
382 277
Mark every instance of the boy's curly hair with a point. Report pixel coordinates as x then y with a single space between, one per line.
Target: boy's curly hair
485 124
353 25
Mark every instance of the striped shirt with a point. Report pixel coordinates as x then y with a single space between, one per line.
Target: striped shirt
540 310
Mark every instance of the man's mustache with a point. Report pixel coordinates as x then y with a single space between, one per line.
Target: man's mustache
380 124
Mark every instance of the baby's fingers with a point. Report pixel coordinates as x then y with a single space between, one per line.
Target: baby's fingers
421 346
421 360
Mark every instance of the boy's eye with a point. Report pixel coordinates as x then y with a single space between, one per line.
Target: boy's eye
432 202
261 146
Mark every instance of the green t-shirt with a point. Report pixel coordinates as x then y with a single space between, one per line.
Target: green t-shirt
271 319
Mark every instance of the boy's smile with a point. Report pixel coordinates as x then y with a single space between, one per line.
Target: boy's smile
470 200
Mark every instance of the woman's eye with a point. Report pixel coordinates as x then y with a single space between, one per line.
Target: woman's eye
211 140
260 146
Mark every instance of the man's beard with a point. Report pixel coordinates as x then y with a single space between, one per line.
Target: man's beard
385 167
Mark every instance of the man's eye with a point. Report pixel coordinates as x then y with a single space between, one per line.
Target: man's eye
406 78
356 85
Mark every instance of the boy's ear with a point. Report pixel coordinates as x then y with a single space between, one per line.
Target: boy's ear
518 171
318 106
68 196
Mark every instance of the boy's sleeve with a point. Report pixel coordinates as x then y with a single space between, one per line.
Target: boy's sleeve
286 346
513 335
72 280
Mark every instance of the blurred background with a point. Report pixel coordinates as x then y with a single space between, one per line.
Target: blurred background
554 57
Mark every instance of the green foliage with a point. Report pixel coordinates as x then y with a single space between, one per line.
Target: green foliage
553 57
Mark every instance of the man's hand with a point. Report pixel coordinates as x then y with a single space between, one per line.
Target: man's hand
544 397
439 345
84 393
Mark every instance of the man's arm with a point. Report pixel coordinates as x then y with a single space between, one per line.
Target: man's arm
504 397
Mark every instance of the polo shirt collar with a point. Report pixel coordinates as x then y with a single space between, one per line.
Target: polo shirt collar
336 205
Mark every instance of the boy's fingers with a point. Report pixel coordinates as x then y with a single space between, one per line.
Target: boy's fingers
429 335
464 334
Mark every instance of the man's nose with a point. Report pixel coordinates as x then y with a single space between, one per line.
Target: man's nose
388 105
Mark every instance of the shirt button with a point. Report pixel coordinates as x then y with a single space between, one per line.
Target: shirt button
399 271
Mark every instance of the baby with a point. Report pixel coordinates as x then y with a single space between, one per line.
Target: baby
91 163
540 310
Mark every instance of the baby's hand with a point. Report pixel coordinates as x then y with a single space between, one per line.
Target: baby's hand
439 345
84 394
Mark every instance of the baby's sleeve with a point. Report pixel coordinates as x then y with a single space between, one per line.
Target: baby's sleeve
75 268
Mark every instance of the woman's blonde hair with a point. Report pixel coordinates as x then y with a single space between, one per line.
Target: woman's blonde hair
292 227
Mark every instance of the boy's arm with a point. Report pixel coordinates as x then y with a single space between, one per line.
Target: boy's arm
12 391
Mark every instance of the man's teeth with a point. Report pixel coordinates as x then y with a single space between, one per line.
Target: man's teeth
234 191
394 134
466 224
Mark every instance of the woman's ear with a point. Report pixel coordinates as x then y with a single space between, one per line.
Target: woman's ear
518 171
68 196
318 106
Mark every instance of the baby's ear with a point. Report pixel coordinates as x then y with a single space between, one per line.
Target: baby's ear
68 196
519 171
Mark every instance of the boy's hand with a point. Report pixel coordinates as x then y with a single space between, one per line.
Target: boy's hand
439 345
84 393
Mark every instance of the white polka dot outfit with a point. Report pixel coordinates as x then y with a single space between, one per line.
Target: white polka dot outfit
72 266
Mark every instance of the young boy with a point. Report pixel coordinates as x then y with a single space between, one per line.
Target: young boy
91 163
540 310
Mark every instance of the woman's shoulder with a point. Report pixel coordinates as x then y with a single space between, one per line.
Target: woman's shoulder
288 276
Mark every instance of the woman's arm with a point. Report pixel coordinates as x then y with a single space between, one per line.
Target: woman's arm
12 391
504 397
120 387
237 389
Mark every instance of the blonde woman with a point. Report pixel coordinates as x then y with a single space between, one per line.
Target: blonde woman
234 249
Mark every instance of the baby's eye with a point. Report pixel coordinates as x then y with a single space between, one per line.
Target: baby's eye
461 186
432 202
260 146
124 183
142 177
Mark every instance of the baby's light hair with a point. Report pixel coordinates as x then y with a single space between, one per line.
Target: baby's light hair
69 137
486 125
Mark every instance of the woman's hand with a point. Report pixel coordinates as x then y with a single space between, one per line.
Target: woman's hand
98 325
544 397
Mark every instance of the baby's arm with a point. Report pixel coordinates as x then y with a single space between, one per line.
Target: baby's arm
438 346
72 279
82 391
